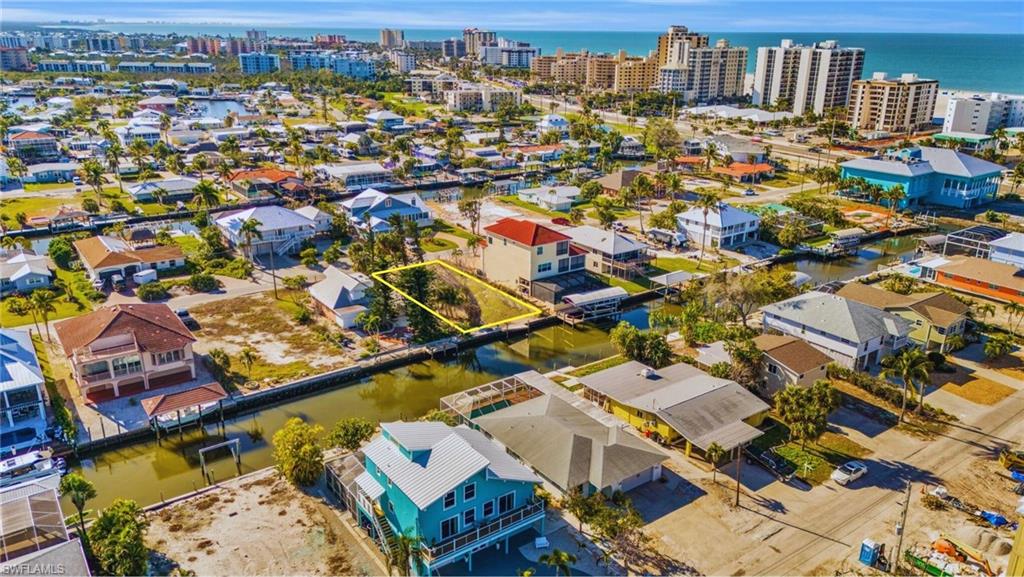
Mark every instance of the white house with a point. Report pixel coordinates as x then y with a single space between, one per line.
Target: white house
356 176
341 295
550 122
1008 250
726 227
150 135
282 230
559 198
176 188
855 335
321 220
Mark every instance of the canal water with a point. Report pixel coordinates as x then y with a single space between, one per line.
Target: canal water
866 260
219 108
149 472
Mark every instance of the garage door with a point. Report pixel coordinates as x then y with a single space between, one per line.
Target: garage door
636 480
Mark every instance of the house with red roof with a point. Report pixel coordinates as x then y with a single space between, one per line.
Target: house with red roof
522 253
745 172
257 183
33 146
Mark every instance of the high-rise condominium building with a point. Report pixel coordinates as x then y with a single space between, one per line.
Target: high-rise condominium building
806 78
391 38
203 45
893 105
402 61
258 63
475 38
453 48
982 114
698 71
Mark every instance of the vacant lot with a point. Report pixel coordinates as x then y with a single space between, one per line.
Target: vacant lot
814 461
257 525
284 349
981 391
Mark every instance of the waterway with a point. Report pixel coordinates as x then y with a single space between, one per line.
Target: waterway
149 472
866 260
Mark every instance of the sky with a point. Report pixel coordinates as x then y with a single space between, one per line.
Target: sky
944 16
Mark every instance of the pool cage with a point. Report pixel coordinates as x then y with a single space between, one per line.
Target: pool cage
471 403
972 241
30 520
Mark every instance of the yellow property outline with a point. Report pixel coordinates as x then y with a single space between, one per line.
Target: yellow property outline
534 311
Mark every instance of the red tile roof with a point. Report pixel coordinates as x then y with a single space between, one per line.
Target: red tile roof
271 174
155 327
743 169
525 232
31 135
201 395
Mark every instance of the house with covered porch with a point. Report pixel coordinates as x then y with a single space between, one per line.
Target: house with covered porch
23 422
451 489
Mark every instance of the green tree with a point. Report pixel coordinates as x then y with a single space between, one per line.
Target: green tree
118 539
250 230
439 416
61 251
648 348
911 364
714 455
248 357
297 451
42 302
707 203
806 410
351 433
561 561
997 345
79 491
91 172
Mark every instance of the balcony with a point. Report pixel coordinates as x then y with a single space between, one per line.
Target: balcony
523 515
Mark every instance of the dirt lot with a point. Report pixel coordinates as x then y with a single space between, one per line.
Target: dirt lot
256 525
285 349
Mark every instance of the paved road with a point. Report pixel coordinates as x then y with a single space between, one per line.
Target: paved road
804 542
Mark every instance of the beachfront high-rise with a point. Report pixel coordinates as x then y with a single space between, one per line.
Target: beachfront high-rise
476 38
895 105
982 114
801 78
258 63
688 65
392 38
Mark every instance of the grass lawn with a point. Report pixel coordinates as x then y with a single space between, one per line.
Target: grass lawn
980 391
78 304
435 244
35 206
661 266
188 244
619 211
784 180
414 105
443 226
515 200
815 461
598 366
38 187
112 193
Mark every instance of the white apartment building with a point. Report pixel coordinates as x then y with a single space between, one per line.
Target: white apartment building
479 98
982 114
697 71
894 105
808 78
404 62
508 54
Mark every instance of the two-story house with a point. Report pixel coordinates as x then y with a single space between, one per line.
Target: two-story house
356 176
727 226
1008 250
855 335
521 252
21 389
611 253
34 147
124 349
385 119
372 209
451 489
281 230
934 316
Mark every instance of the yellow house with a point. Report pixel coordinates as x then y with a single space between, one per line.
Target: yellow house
678 405
935 316
521 252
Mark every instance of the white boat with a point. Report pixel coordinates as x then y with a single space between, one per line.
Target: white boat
30 465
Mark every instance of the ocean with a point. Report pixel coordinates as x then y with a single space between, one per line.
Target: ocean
981 62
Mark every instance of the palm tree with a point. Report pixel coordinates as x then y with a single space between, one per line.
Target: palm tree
560 560
250 230
92 173
78 490
407 552
985 310
138 150
200 163
165 126
997 345
710 154
1014 310
247 356
205 195
42 301
909 365
893 195
114 153
642 189
714 454
15 242
707 202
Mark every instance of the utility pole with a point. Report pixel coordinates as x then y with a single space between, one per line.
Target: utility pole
739 458
901 529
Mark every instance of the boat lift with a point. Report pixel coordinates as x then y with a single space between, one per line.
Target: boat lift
236 451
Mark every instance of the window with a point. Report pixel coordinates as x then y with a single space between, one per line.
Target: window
167 357
506 503
544 267
469 492
489 508
563 264
468 517
562 248
126 365
449 500
449 527
773 369
540 250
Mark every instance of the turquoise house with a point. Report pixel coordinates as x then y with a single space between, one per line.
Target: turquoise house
930 176
450 489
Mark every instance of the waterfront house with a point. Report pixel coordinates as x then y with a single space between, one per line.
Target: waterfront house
124 349
559 198
727 227
678 405
341 295
977 276
257 183
855 335
23 271
21 389
788 361
519 253
161 104
1008 250
611 253
631 147
104 256
128 134
34 147
34 539
930 176
281 229
846 239
50 172
741 150
321 220
356 176
934 316
745 172
179 188
372 209
570 442
451 489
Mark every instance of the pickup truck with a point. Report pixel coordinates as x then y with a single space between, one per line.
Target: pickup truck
769 459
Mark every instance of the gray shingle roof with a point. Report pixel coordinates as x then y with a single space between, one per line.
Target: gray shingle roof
839 316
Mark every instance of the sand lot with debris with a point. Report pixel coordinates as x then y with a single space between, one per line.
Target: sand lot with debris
257 525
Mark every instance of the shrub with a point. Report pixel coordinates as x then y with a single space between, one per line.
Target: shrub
90 205
61 252
152 291
302 315
884 390
203 282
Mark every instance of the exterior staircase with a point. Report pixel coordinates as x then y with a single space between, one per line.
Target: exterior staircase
387 536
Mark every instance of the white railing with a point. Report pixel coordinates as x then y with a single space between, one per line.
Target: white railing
495 526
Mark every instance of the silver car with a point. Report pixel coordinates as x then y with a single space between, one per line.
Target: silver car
849 472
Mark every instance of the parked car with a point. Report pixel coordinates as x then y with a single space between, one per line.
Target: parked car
76 180
772 461
814 149
849 472
187 318
749 192
117 282
561 221
619 227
